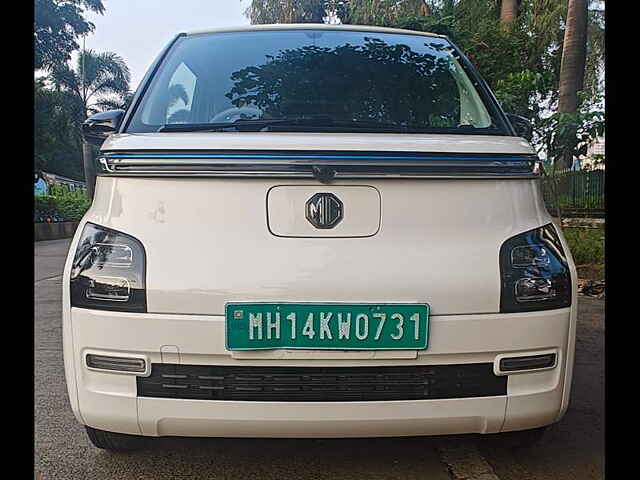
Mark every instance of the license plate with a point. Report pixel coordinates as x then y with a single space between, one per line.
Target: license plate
328 326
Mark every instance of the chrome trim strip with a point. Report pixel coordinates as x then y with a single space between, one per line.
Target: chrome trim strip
337 176
214 163
305 166
306 156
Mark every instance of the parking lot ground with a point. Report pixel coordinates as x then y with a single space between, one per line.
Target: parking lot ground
571 449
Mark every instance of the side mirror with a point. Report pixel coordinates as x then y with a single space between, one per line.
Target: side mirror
521 125
98 127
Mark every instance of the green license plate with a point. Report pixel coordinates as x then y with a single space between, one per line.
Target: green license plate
328 326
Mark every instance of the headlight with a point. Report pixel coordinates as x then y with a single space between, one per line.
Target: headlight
108 271
534 270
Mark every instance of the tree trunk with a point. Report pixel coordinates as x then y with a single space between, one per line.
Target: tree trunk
423 9
574 56
508 13
89 169
572 66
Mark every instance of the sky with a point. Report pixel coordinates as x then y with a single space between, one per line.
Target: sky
138 30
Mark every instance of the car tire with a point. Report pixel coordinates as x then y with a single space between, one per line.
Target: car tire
115 442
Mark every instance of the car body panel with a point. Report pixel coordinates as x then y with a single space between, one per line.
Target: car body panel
532 399
421 253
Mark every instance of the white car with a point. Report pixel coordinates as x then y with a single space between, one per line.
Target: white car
315 231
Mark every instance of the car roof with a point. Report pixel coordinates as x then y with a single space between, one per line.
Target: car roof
312 26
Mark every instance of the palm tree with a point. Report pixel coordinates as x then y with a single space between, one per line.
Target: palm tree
508 13
573 63
99 81
574 55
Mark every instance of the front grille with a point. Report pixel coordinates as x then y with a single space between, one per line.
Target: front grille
321 384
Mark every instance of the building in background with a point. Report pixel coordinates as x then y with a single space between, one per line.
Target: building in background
53 179
594 160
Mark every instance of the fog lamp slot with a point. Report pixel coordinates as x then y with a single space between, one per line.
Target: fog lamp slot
531 362
116 364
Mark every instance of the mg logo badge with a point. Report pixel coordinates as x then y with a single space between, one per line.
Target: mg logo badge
324 210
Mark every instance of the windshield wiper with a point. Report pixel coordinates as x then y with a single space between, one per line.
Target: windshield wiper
313 122
241 124
254 125
367 126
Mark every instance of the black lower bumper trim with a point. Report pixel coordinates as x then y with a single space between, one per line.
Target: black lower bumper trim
321 384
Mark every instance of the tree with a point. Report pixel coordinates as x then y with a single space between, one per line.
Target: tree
286 11
365 12
594 69
57 120
99 80
574 56
385 12
572 68
57 26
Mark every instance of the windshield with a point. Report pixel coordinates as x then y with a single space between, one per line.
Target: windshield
313 80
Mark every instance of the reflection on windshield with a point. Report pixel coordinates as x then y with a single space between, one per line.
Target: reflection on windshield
391 85
403 80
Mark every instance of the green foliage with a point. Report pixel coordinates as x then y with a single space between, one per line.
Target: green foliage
516 93
65 204
62 103
44 204
286 11
57 142
594 73
568 135
57 26
521 64
440 26
586 245
385 12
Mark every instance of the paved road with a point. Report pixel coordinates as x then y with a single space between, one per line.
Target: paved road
49 259
572 449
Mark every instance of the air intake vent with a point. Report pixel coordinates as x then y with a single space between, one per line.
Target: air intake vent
321 384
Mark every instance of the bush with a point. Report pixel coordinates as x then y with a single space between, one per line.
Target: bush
586 245
60 205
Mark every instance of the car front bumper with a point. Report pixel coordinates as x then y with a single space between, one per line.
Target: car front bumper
110 401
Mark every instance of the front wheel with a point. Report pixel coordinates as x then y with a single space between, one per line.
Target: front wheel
115 442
